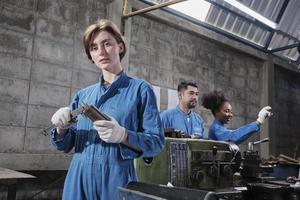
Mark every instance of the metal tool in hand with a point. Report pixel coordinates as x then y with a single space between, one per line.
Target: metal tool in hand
89 111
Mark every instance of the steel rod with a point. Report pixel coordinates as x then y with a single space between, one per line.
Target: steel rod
148 9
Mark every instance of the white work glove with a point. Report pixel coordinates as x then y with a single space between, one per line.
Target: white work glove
263 114
61 118
110 131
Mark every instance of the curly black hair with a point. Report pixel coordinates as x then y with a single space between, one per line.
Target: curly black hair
213 101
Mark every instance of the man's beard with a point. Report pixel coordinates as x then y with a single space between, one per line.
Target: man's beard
191 105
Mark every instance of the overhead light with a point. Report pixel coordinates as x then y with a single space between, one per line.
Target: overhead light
252 13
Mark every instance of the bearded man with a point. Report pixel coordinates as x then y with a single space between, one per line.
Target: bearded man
182 117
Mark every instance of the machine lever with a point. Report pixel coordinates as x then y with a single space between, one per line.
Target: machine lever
251 144
261 141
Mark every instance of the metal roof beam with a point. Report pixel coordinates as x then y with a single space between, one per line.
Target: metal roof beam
282 10
268 41
284 48
148 9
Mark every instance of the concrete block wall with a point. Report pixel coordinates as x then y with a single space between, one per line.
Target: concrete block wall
165 54
247 76
287 112
42 64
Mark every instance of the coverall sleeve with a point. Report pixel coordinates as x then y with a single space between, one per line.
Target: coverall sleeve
238 135
150 137
164 120
66 143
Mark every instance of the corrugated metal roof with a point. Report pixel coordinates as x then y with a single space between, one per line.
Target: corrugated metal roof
236 25
288 20
290 23
231 21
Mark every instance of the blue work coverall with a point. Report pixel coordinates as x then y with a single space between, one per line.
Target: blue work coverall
191 124
99 168
217 131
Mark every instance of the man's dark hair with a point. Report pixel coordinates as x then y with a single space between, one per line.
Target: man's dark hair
184 84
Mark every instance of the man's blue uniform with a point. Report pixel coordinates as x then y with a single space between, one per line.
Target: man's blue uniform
175 118
218 131
97 167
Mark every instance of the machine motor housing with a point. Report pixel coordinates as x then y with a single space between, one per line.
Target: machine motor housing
193 163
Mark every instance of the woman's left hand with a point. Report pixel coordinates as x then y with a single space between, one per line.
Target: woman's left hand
110 131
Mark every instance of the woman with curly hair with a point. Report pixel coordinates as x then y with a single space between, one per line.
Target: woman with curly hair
222 111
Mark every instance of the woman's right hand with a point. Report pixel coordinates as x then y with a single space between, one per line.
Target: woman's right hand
263 114
61 119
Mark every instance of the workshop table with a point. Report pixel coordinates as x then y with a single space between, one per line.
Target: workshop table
10 178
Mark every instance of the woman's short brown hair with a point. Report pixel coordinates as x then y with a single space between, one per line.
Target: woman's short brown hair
102 25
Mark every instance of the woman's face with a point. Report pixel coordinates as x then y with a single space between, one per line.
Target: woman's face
105 52
225 114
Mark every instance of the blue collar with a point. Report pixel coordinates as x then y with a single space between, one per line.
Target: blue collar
118 76
112 89
178 109
218 122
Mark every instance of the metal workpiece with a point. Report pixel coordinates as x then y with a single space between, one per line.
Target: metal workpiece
89 111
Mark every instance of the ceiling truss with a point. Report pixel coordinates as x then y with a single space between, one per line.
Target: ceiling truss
265 49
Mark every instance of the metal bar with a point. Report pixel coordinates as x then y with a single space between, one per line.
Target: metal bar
269 39
284 48
282 10
295 62
287 35
125 7
148 9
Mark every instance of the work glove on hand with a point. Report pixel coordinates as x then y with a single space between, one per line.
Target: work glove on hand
61 118
263 114
110 131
